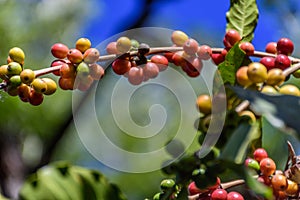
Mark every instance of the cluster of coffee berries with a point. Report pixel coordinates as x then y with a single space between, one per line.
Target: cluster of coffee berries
23 82
78 66
167 187
283 188
214 192
137 67
190 58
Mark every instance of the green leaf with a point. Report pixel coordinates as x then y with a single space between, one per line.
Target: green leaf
234 59
237 146
243 16
274 141
63 181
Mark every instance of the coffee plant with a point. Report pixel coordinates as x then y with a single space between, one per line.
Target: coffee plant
262 106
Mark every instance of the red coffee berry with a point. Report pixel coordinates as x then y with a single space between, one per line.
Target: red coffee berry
169 56
279 182
234 196
260 154
121 66
192 67
204 52
151 70
135 75
217 58
282 61
111 48
59 50
67 70
66 83
75 56
271 47
231 37
247 47
285 46
190 46
219 194
267 166
268 62
35 98
24 92
91 55
96 71
178 58
57 63
193 189
161 62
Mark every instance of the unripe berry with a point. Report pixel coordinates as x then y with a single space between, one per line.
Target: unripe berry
91 55
246 113
259 154
123 44
161 62
267 166
282 61
167 184
252 163
279 182
190 46
15 81
275 77
134 44
27 76
51 86
285 46
292 188
82 70
268 62
219 194
4 72
74 56
267 89
271 47
14 68
289 90
135 75
179 38
204 103
248 48
242 77
296 74
59 50
12 90
234 196
257 72
82 44
39 85
121 66
17 54
151 70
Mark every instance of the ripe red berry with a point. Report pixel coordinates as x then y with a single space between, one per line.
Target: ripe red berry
234 196
24 92
135 75
217 58
271 47
59 50
151 70
248 48
268 62
231 37
91 55
66 83
35 98
75 56
204 52
178 58
259 154
267 166
57 63
192 67
282 61
193 189
67 70
285 46
279 182
161 62
121 66
190 46
219 194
